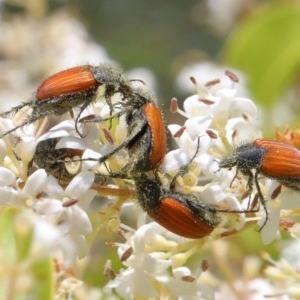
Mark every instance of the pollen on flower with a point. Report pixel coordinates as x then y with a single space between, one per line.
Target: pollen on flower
174 105
69 202
179 132
29 202
212 82
232 76
113 224
190 179
179 259
153 259
212 134
206 101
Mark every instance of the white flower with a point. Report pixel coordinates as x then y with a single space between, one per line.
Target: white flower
68 208
283 274
141 266
47 238
205 72
217 118
65 209
154 252
184 285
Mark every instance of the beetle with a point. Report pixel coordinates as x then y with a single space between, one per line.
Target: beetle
146 139
70 88
273 159
281 161
46 156
180 213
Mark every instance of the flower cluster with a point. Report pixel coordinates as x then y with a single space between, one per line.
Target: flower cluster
155 261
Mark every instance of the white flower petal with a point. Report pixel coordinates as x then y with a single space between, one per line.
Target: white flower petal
86 199
53 189
154 265
79 220
198 125
7 177
240 106
48 207
80 244
174 160
52 134
209 166
181 272
213 194
70 142
241 130
227 93
26 149
195 108
80 184
90 164
47 238
135 282
271 228
64 128
9 195
35 183
173 128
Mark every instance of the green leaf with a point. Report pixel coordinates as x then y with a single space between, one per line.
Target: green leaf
267 47
23 237
42 271
16 238
7 236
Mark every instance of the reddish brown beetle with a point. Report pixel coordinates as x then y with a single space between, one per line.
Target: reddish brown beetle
146 139
182 214
273 159
70 88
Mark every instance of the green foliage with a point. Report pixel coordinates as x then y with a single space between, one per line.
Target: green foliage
266 46
24 274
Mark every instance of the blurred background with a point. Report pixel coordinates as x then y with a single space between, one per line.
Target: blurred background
160 42
164 44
